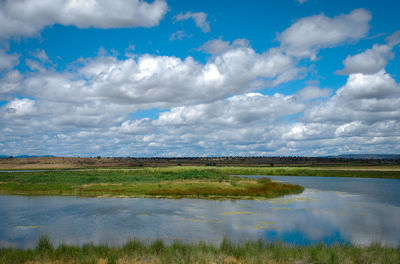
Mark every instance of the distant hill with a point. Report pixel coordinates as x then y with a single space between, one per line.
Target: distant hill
343 156
368 156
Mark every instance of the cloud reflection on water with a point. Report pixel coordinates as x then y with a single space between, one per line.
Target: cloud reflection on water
307 218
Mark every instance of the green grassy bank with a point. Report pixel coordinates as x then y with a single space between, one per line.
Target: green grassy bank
172 182
227 252
348 171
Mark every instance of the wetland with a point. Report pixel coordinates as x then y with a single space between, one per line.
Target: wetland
340 217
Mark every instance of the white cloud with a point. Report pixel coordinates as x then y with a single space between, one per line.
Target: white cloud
350 129
365 97
312 92
8 61
179 35
215 46
301 131
162 81
301 1
34 65
199 18
305 37
28 17
97 97
41 55
218 46
248 124
371 60
10 83
235 111
20 108
208 108
374 86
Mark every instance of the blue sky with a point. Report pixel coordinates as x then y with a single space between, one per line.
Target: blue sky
199 78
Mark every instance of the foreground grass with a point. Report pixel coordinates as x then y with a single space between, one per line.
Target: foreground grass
136 251
176 182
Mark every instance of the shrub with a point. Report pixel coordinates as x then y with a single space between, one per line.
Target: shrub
44 244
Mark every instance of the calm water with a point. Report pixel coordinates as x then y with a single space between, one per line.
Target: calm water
359 211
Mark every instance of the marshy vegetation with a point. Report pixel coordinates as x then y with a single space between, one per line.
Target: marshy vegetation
135 251
356 172
171 182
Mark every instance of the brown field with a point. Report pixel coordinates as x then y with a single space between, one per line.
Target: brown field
99 162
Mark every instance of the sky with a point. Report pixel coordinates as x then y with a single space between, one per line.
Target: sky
177 78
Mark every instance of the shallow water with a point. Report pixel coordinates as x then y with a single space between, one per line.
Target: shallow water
347 210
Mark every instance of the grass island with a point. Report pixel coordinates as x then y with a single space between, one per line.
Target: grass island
166 182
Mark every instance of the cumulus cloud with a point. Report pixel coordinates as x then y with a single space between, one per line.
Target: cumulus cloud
247 124
164 81
215 46
241 110
377 86
235 111
28 17
254 124
102 92
305 37
312 92
199 18
219 46
371 60
365 97
209 108
20 108
240 124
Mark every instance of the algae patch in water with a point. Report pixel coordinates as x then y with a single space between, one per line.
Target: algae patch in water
202 220
281 208
237 213
259 225
196 220
243 206
266 223
287 201
143 215
31 226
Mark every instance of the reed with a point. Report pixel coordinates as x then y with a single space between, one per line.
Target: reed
227 251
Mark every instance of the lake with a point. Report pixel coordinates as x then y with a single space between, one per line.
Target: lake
346 210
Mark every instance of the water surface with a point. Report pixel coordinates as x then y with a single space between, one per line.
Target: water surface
347 210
